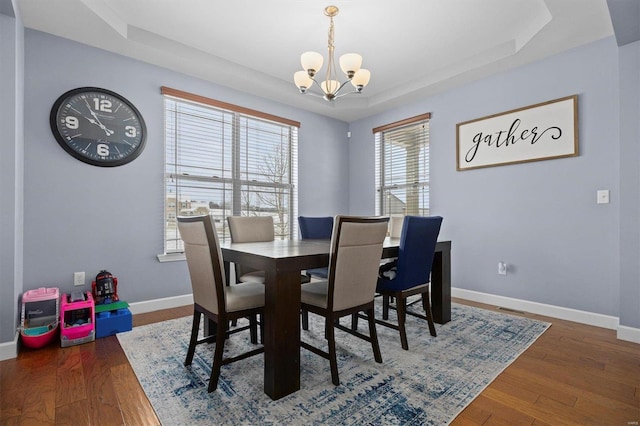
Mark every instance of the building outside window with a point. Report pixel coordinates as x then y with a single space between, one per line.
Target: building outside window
402 167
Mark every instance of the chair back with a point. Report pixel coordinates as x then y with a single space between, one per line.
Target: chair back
356 249
417 248
204 260
251 229
315 228
395 226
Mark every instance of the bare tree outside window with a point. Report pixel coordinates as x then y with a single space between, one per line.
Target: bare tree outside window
275 169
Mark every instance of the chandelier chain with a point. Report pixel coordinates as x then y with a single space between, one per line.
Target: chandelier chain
331 66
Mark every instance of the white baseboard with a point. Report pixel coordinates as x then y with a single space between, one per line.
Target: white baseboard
605 321
9 350
158 304
629 334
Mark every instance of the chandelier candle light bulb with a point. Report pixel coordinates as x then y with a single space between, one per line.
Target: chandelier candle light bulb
350 64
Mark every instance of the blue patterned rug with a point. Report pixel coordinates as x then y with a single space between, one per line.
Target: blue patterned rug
428 385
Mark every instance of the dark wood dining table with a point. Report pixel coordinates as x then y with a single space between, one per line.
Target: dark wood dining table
283 261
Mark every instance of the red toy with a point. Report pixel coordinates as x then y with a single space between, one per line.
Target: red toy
105 288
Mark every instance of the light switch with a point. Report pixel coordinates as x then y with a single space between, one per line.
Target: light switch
602 196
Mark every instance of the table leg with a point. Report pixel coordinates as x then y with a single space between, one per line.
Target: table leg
282 333
441 287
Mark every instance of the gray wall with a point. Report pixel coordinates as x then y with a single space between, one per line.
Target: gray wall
629 57
83 218
11 166
541 217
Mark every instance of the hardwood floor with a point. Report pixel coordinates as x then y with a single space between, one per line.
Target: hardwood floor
573 374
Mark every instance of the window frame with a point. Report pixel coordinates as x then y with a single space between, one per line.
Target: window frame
381 159
233 178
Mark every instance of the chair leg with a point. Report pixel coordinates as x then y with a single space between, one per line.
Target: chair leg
328 326
333 359
354 321
427 310
217 357
305 319
234 322
401 307
373 334
195 328
261 319
253 329
385 307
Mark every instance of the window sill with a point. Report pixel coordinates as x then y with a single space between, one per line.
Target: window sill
171 257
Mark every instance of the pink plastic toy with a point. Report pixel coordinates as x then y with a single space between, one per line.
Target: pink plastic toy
77 319
39 317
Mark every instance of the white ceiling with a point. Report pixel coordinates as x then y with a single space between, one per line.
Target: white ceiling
413 48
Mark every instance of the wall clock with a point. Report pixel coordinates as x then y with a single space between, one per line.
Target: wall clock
98 126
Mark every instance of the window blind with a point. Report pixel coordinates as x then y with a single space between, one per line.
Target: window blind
223 162
402 167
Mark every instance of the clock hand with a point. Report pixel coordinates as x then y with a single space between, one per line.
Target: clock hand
99 124
107 131
102 126
96 117
92 121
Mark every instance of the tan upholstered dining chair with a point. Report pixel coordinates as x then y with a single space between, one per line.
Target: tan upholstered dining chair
250 229
212 297
395 226
356 248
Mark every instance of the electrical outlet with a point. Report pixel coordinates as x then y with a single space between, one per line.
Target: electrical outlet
502 268
78 278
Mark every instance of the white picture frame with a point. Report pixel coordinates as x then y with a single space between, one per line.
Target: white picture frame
543 131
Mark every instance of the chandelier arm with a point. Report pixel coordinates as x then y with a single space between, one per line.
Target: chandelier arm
355 92
340 88
335 94
317 84
317 95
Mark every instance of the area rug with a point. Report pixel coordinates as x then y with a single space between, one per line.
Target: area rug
430 384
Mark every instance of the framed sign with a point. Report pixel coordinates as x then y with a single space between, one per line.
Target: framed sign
533 133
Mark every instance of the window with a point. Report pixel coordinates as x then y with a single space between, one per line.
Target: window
402 167
224 160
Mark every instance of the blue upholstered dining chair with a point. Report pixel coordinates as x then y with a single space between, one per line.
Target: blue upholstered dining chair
316 228
412 272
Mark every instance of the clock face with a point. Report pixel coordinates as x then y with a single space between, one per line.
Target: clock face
98 126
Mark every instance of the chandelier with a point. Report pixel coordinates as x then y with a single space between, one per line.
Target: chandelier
349 63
